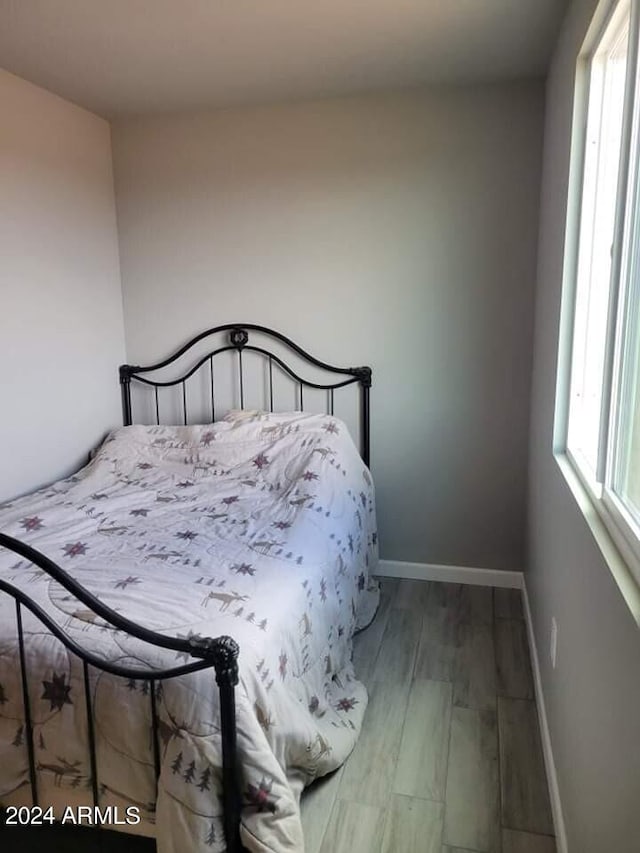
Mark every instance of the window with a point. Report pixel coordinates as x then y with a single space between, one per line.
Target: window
602 438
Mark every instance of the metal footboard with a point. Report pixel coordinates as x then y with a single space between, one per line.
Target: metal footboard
219 654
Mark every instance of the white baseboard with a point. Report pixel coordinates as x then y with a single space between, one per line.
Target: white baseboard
450 574
550 765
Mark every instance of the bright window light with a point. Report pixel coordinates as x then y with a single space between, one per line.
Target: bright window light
600 181
603 423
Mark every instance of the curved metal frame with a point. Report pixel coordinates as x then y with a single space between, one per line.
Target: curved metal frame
239 342
221 653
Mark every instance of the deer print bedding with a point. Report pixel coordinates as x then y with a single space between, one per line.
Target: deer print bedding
261 527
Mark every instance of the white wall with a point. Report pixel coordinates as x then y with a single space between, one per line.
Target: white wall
61 327
593 696
398 231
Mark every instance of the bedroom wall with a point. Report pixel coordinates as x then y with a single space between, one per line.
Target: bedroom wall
398 231
61 326
592 697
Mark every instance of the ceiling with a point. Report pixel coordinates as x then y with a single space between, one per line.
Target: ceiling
123 57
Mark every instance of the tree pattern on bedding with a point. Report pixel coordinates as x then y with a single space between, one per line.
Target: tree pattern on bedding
259 526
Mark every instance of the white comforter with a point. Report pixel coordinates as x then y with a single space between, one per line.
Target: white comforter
261 527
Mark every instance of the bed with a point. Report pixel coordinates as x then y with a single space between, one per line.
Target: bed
244 546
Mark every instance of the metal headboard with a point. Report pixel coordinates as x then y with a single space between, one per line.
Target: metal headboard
238 341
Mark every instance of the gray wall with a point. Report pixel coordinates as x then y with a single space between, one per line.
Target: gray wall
398 231
593 695
61 327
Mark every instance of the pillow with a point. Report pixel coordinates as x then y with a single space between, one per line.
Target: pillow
244 415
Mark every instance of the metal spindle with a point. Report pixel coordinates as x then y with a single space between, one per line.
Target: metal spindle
230 785
184 400
270 384
331 401
27 708
301 401
364 426
125 387
92 735
226 667
213 406
154 727
157 407
241 379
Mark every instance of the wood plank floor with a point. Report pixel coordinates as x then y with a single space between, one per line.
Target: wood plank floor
449 760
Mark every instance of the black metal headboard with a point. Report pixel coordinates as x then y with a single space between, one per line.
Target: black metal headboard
238 341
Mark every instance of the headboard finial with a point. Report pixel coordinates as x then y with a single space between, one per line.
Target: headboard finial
363 374
126 371
238 337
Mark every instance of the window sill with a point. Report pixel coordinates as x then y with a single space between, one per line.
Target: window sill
622 574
